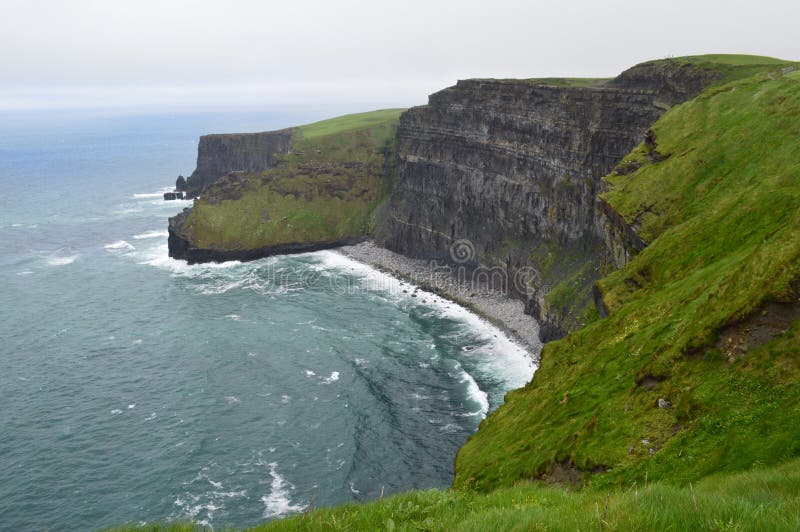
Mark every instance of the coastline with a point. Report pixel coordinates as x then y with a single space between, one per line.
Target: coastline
496 307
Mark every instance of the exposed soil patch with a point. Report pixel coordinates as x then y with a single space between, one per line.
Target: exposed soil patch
761 326
649 381
566 473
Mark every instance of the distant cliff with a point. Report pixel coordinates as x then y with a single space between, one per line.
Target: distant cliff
301 189
515 168
219 155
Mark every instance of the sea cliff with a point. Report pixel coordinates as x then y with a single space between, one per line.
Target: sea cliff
515 167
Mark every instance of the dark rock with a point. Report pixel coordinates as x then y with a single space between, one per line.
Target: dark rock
496 162
180 184
168 196
219 155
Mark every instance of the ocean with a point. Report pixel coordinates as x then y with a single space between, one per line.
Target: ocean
135 388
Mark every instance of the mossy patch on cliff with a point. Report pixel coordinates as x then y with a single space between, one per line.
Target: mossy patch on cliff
325 189
648 391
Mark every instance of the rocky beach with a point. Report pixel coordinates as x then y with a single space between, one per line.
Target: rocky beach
496 306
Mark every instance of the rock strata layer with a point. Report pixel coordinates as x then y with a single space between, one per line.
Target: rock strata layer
219 155
511 170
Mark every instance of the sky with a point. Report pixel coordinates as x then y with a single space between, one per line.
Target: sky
176 53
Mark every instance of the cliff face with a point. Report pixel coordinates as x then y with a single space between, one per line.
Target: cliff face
219 155
515 167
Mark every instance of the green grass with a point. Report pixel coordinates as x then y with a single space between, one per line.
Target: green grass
351 122
722 213
736 59
759 499
756 500
325 190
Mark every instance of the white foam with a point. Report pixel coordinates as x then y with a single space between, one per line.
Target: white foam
474 392
497 355
232 399
61 261
333 378
119 245
151 234
158 256
278 502
310 373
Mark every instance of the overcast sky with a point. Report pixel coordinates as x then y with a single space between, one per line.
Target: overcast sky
66 53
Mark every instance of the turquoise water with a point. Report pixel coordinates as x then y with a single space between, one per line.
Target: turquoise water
136 388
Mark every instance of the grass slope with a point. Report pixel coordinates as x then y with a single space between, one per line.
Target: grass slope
762 499
722 213
326 189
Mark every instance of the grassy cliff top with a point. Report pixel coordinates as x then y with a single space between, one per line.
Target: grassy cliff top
343 124
734 59
324 190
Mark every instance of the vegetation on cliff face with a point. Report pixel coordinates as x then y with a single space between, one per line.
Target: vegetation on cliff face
696 369
325 189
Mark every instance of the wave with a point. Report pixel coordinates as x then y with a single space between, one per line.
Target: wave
120 245
333 378
151 234
200 507
278 503
159 257
494 353
61 260
474 393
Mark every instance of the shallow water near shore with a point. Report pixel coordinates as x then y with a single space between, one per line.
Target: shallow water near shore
138 388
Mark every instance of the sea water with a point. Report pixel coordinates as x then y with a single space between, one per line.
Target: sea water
135 388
